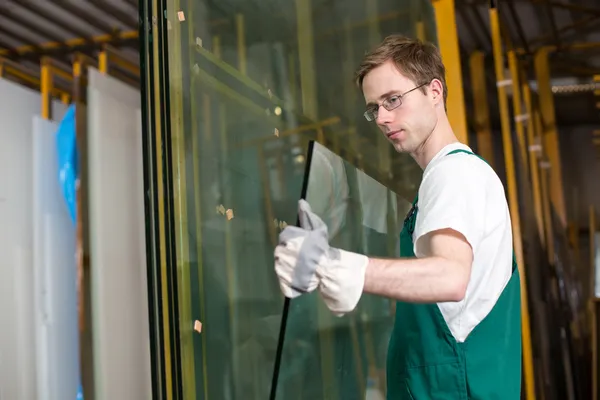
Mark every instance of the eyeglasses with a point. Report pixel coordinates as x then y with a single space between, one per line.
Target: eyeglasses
391 103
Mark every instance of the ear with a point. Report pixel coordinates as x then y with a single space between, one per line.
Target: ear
436 90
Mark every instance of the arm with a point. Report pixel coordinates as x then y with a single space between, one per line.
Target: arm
441 276
449 227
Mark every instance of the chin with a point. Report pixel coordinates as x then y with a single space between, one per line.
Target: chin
401 147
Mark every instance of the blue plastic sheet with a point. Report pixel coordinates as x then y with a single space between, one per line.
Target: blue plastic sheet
68 160
68 167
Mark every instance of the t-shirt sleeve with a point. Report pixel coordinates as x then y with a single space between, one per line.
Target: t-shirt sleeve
452 196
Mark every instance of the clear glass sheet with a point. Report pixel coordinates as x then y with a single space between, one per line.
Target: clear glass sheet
328 357
250 84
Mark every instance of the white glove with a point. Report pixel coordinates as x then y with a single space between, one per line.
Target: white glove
304 261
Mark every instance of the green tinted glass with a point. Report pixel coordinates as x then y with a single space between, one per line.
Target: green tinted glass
250 84
324 356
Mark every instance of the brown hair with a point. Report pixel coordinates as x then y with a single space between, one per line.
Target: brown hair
418 61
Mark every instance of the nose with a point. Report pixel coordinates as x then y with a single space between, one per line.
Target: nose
384 116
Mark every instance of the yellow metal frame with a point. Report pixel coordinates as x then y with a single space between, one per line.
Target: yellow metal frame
214 58
240 30
100 39
9 69
550 133
48 70
81 62
519 117
111 56
513 203
480 107
534 160
306 52
448 44
545 192
103 62
572 46
46 88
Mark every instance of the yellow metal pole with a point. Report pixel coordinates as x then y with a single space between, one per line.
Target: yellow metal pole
216 46
420 31
519 117
535 150
348 65
416 17
550 133
481 108
46 88
241 43
103 62
372 13
545 194
306 53
513 202
448 43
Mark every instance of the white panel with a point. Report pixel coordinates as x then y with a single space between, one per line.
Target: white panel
55 272
17 339
117 239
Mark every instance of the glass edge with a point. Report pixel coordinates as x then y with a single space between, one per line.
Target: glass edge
152 25
287 300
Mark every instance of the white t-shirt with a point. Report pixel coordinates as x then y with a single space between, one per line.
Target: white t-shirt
462 192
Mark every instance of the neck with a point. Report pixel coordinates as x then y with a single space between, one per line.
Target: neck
441 136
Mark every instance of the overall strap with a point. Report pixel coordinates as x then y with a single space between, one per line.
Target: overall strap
460 151
467 152
414 207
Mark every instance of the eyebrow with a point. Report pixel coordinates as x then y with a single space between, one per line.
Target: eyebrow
383 96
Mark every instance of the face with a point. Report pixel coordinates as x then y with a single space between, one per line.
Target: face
408 126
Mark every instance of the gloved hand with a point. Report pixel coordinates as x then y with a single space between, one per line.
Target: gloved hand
304 261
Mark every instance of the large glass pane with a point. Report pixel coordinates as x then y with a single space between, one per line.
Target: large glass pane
250 84
326 357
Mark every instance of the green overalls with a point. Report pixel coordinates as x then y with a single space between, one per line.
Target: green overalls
424 360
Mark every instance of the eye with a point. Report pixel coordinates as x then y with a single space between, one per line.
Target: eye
394 100
372 109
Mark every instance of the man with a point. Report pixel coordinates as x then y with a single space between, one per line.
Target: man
457 332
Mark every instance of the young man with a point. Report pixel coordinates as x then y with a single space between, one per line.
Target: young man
457 332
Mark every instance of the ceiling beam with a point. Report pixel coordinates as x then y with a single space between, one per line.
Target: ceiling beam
72 45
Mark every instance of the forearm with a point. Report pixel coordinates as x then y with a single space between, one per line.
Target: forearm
417 280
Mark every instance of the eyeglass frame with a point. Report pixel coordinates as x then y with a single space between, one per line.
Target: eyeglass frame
386 101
